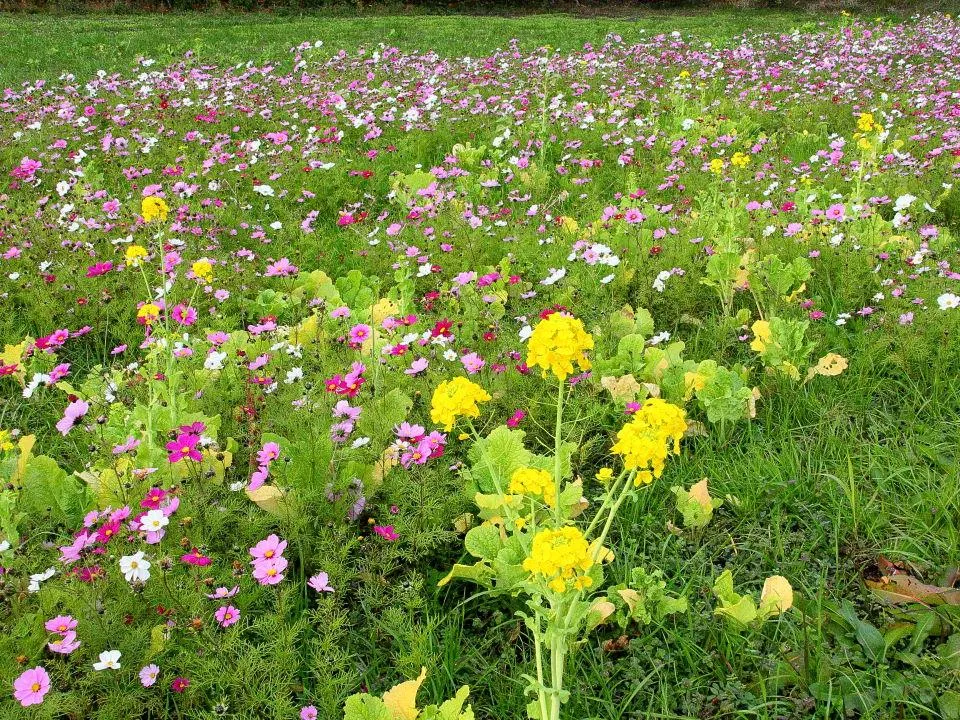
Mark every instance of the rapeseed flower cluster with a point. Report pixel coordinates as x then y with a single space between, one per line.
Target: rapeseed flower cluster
645 442
557 343
561 557
154 208
531 481
456 398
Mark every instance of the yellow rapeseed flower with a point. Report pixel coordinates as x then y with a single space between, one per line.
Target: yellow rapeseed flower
531 481
203 269
557 343
604 475
5 443
560 557
865 123
135 255
645 441
148 313
456 398
716 166
154 208
740 160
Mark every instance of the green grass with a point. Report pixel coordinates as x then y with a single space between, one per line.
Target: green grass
46 46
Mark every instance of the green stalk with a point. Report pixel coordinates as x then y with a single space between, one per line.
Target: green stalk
557 439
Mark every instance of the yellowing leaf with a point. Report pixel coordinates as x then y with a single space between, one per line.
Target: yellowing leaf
701 494
25 448
776 596
829 365
599 612
268 497
622 389
383 309
306 332
401 701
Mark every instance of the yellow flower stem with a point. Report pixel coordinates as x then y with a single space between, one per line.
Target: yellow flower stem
612 514
557 439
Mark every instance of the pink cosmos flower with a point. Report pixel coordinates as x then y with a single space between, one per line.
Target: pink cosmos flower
66 644
227 615
148 675
30 687
269 548
269 453
222 593
185 446
359 334
61 624
258 478
269 572
179 684
308 713
71 415
281 268
386 532
184 314
320 582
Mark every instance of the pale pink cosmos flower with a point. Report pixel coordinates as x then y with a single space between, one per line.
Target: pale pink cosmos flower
30 687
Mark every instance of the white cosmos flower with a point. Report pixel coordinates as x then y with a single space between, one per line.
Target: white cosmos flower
109 660
903 202
948 301
214 360
154 521
135 569
264 190
38 578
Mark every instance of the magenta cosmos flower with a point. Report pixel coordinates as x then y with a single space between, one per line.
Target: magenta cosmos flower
185 446
227 615
31 686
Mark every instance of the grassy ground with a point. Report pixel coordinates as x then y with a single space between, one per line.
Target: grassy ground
49 45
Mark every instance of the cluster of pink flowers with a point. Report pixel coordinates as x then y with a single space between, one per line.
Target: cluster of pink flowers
348 385
415 446
268 561
65 628
266 455
186 443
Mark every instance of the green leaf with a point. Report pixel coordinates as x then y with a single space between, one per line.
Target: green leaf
495 458
483 541
365 707
481 573
48 487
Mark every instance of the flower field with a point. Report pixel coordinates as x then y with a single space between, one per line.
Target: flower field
612 381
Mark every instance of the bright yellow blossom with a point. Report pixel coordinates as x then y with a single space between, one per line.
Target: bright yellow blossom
531 481
561 557
645 441
5 443
148 313
557 343
716 166
456 398
740 160
865 123
604 475
203 269
135 255
154 208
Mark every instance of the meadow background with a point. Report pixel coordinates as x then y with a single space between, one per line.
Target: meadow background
834 483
